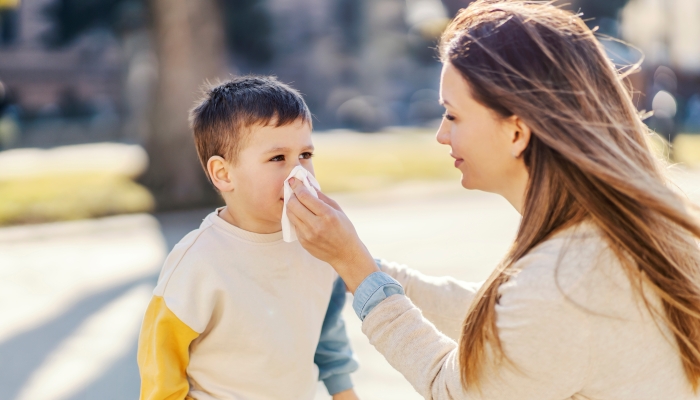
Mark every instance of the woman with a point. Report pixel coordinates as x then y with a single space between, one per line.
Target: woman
599 296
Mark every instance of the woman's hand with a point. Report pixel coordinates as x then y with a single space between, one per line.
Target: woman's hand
327 233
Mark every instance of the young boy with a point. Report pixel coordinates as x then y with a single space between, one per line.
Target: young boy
238 313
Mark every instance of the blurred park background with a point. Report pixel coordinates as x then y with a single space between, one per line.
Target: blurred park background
99 176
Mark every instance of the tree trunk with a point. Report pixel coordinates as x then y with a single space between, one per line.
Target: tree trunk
189 44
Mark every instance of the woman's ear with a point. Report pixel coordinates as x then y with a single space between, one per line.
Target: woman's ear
520 136
219 174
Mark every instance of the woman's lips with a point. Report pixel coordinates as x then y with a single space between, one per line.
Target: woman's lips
458 161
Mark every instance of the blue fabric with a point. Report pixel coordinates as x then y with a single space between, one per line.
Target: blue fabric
334 356
375 288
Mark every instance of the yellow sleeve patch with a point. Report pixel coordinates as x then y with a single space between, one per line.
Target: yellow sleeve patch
164 353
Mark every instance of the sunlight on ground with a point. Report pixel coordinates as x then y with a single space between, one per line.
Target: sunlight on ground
72 294
45 269
83 357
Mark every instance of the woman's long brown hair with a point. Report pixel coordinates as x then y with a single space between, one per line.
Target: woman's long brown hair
588 158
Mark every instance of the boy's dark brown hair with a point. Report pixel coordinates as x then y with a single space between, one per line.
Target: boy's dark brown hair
224 115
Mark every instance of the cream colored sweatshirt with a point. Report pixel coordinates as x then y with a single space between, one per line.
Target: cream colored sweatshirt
569 321
235 315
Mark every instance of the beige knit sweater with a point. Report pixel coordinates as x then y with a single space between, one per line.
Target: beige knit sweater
569 321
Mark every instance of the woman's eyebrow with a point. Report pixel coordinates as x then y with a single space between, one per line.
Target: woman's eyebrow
443 102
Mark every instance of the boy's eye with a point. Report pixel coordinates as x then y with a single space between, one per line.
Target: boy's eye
277 158
306 155
448 116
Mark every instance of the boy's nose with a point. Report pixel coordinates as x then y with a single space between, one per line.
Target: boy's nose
296 164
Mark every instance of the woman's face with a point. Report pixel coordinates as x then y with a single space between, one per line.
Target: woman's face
485 146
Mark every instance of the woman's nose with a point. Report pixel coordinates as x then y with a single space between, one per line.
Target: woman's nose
443 134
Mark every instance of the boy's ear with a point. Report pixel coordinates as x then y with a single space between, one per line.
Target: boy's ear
219 174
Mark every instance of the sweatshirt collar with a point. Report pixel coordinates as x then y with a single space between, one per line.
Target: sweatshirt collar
215 219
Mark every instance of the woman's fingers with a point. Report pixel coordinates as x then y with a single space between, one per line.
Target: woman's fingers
300 225
329 201
305 197
298 214
326 232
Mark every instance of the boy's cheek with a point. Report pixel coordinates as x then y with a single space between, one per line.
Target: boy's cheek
309 165
274 211
278 211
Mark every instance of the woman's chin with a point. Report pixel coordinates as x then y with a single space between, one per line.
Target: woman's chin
467 184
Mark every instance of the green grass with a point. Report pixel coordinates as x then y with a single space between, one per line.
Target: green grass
344 161
68 197
686 149
353 161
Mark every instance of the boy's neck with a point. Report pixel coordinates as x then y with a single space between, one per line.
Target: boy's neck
249 224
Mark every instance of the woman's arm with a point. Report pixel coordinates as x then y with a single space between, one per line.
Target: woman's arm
544 335
327 233
444 301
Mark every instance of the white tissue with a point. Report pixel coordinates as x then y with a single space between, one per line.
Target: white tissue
289 234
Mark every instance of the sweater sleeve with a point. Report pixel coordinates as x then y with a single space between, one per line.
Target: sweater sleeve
334 356
163 353
543 334
444 301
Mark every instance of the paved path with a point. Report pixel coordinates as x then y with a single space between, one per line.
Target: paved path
72 294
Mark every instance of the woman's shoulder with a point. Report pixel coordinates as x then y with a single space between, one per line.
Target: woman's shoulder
575 263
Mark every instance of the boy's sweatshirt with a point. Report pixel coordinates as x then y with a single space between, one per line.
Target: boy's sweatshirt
239 315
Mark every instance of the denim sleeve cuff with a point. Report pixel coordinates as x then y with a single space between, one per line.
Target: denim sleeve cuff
338 383
378 261
375 288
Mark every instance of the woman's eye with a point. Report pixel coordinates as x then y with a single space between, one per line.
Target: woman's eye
448 117
277 158
306 156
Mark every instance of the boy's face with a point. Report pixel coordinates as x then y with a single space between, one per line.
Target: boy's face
268 156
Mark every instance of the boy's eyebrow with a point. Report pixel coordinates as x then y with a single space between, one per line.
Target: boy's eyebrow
287 149
443 102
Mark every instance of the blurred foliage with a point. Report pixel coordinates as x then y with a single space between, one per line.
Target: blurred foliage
595 8
423 40
591 8
349 16
71 18
248 23
68 197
